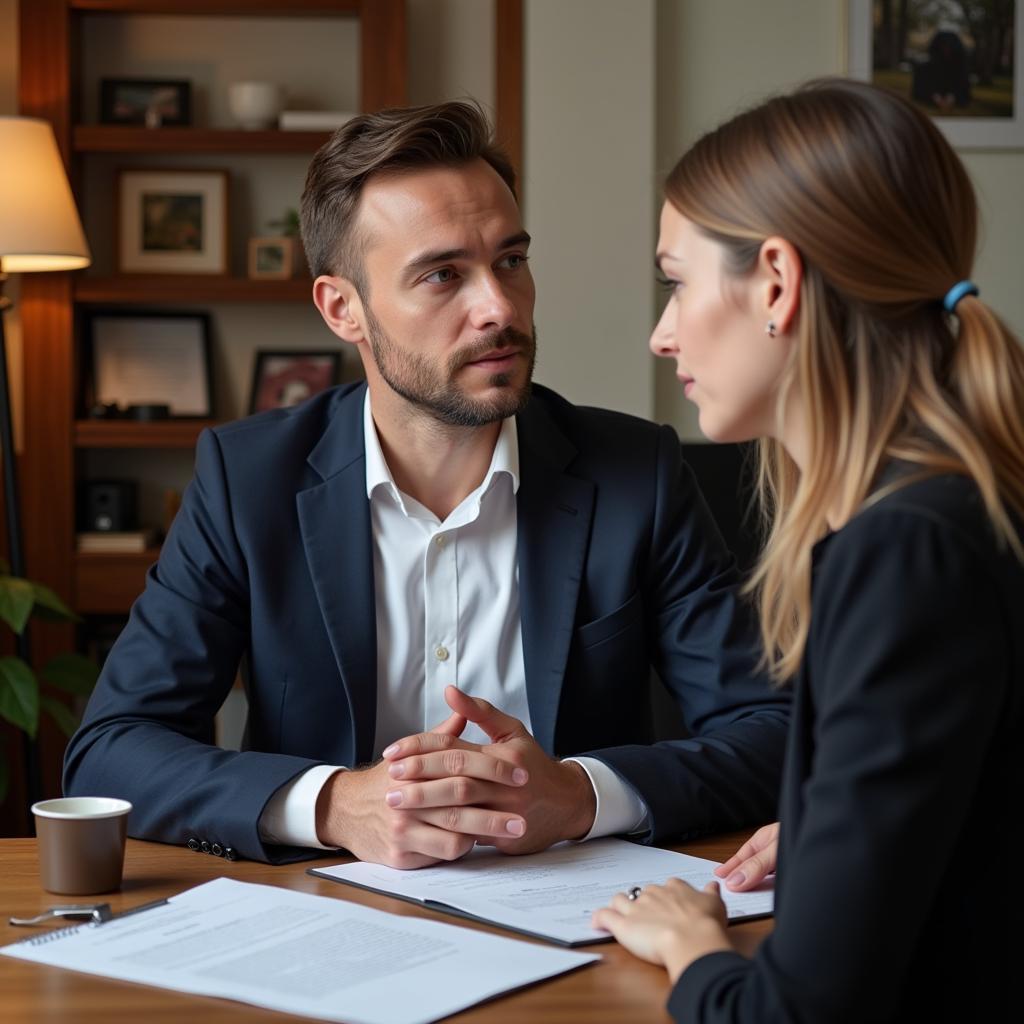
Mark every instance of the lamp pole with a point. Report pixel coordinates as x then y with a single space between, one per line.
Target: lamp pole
33 779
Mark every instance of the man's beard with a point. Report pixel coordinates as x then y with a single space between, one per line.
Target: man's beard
436 390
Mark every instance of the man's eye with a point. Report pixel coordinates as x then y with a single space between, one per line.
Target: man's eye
442 276
513 261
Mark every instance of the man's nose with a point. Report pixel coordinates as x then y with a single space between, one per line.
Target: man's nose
492 307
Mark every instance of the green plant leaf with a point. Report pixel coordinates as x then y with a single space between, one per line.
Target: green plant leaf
66 719
72 673
17 596
49 606
19 695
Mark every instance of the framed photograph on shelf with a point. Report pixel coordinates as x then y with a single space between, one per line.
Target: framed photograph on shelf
272 258
147 359
153 102
956 61
283 379
172 221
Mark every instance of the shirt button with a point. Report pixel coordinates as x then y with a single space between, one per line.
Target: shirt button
439 540
441 653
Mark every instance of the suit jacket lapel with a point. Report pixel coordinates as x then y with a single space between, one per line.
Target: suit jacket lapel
334 518
553 523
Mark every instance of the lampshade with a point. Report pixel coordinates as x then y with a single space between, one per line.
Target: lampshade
39 225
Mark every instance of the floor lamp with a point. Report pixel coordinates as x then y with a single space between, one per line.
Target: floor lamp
39 230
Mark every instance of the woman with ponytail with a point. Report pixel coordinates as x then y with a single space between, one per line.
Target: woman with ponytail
818 249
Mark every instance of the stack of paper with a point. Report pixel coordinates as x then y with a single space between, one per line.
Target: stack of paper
303 954
550 895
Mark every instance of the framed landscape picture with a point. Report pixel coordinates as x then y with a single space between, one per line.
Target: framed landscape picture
172 221
956 59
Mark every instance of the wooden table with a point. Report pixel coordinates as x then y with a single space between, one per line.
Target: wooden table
620 989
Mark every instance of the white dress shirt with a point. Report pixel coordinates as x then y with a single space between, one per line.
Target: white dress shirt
447 601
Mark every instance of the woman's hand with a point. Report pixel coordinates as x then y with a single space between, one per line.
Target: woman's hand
753 862
671 925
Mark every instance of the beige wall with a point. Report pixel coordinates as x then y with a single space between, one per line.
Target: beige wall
589 179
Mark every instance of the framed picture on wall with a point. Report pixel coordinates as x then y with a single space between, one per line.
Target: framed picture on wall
172 221
272 257
150 101
958 61
283 379
142 358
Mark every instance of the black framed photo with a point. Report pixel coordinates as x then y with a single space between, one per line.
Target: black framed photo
149 359
154 102
283 379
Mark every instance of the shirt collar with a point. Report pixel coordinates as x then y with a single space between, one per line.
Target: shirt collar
505 458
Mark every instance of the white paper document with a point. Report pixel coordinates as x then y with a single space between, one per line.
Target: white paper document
302 954
550 895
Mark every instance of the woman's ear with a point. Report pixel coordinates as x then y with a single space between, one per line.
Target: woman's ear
781 271
340 306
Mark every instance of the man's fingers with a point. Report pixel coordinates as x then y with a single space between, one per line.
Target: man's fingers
457 761
414 843
453 725
495 723
474 821
424 743
456 792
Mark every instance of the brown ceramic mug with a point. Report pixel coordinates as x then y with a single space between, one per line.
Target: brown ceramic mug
81 843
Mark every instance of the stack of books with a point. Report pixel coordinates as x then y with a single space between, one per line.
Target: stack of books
117 542
313 120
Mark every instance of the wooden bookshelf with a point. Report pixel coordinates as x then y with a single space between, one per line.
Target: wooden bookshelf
284 8
139 433
107 583
189 288
118 138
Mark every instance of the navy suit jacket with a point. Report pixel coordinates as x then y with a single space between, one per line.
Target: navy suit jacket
269 564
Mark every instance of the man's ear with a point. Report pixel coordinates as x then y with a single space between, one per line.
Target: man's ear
340 306
781 271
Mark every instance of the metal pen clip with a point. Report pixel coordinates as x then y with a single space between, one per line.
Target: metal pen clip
98 912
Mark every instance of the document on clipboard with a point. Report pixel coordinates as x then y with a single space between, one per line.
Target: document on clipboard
548 895
302 954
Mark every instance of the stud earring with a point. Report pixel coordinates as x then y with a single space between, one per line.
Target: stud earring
770 329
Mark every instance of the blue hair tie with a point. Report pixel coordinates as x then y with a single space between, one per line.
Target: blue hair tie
956 293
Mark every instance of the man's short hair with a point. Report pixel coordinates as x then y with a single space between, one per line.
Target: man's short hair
402 139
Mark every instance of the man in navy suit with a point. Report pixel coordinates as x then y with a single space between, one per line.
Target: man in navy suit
446 546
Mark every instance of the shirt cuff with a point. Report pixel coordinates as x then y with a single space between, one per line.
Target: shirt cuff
289 817
620 809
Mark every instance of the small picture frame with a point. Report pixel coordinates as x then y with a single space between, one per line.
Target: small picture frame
154 102
272 257
151 358
962 73
283 379
172 221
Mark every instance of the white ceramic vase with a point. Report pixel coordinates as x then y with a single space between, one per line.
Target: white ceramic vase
255 105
